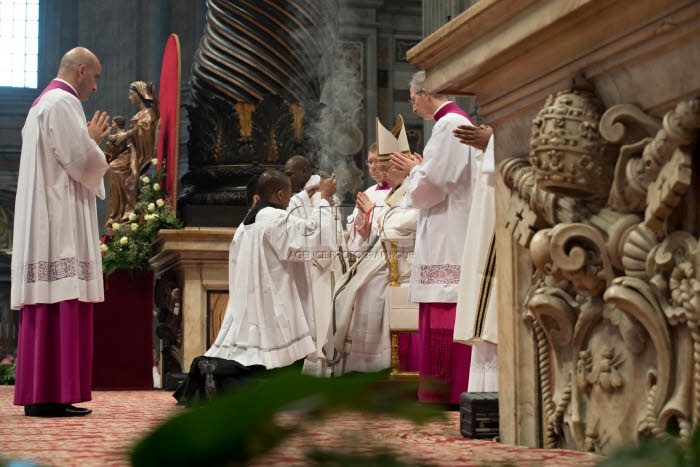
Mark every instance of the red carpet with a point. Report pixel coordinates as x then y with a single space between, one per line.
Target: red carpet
120 418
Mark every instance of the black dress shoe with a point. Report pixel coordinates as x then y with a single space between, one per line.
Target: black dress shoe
54 410
73 411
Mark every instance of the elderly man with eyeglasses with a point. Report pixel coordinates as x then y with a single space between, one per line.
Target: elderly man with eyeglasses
361 235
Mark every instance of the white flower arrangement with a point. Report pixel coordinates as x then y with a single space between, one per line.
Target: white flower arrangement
130 246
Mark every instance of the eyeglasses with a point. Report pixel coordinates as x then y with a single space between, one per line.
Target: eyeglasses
370 163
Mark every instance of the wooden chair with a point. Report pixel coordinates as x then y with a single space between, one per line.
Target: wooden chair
403 315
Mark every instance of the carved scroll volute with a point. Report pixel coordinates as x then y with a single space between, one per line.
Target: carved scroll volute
673 268
566 149
556 312
575 252
629 126
637 299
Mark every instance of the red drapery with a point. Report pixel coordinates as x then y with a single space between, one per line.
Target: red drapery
123 332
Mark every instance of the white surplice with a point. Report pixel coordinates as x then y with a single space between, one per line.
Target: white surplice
359 336
440 188
476 321
324 270
300 204
270 288
356 244
56 249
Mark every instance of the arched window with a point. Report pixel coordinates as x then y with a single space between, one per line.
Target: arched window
19 43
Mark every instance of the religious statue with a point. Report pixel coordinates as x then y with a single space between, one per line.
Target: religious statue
129 153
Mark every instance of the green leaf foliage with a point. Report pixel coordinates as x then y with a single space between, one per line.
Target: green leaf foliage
235 427
7 373
663 451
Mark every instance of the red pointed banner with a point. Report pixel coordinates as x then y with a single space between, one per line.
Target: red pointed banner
169 99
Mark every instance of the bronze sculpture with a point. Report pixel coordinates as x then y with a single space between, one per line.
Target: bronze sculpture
129 153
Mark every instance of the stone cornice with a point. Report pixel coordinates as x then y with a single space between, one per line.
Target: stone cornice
190 245
499 46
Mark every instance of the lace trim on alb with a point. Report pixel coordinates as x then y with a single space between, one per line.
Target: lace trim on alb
50 271
439 274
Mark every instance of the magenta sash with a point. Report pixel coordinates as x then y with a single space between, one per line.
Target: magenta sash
451 108
55 84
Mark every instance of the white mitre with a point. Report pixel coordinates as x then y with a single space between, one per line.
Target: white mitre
392 141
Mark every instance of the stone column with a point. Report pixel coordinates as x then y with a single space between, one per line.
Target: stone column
256 91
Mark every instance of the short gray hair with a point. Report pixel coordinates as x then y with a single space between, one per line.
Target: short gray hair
418 82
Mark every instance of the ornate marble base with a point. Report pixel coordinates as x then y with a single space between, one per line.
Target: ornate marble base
597 226
188 264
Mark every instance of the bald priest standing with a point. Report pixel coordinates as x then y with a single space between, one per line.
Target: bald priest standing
56 261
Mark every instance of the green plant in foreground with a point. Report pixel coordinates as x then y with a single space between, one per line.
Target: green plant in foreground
7 373
663 451
237 427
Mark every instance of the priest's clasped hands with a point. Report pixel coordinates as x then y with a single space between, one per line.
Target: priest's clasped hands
98 127
405 163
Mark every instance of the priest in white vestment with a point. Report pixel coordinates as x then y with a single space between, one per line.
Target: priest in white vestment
359 338
360 225
269 285
324 270
440 186
56 258
476 322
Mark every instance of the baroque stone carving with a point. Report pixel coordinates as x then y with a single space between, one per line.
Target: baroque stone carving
614 300
7 215
168 300
567 151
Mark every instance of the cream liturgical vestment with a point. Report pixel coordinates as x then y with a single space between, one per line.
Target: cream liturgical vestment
56 250
356 244
359 339
440 188
270 288
324 270
476 319
300 204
